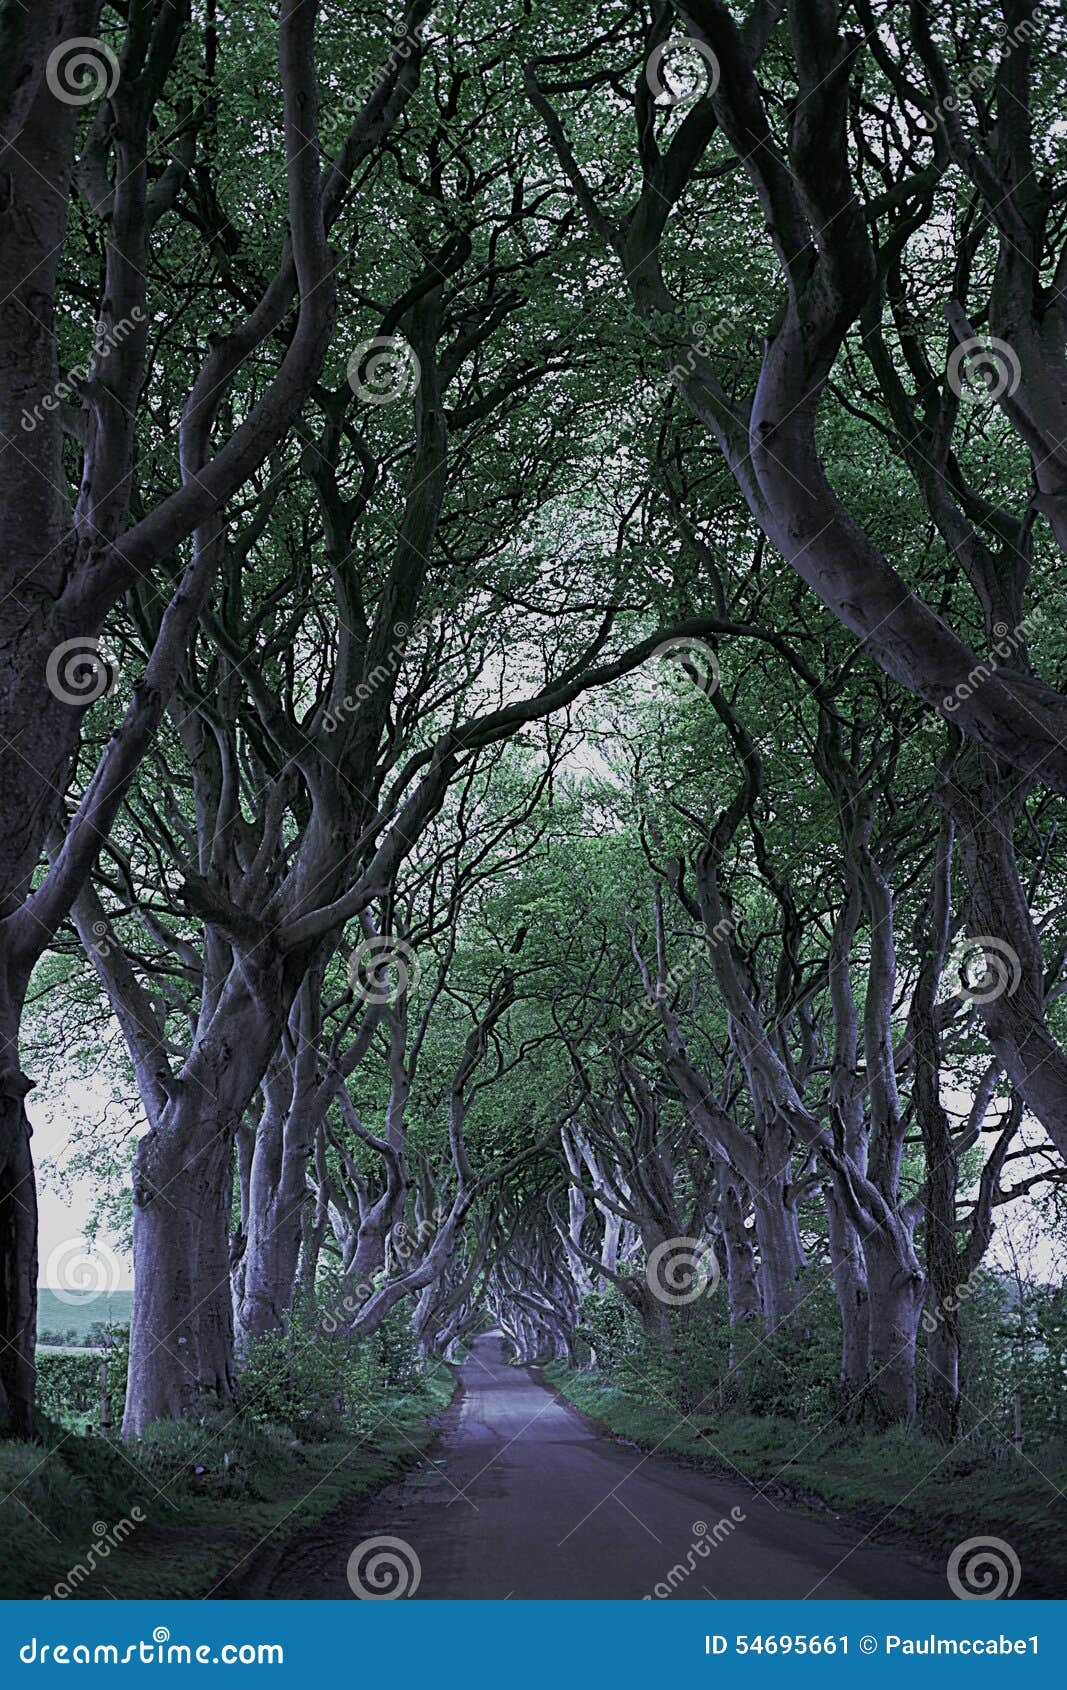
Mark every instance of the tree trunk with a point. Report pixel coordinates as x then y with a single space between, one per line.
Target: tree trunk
781 1254
1011 998
742 1283
896 1300
276 1193
850 1283
181 1335
941 1401
18 1253
314 1223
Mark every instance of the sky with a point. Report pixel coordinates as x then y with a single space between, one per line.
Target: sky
67 1261
70 1263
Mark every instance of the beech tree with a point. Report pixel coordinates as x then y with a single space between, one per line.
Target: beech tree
844 147
71 555
534 704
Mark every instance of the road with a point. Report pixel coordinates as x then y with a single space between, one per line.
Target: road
523 1499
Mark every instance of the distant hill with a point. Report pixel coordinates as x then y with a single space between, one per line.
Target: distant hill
60 1315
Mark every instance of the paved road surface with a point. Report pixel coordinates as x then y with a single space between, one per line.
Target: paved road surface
523 1499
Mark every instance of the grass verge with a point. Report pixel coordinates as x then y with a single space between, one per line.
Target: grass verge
898 1485
172 1513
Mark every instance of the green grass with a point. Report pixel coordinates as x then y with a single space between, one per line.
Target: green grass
95 1308
209 1491
896 1484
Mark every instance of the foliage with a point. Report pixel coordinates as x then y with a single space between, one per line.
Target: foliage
1015 1350
317 1382
207 1491
68 1385
896 1484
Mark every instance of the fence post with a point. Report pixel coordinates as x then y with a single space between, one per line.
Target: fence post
105 1410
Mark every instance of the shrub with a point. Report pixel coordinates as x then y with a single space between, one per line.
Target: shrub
68 1386
316 1382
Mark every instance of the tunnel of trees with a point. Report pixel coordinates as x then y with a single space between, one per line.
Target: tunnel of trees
533 729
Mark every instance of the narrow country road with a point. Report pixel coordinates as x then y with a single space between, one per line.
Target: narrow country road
523 1499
